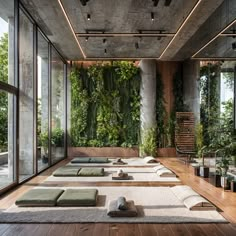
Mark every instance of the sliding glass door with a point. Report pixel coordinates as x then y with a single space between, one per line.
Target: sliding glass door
42 103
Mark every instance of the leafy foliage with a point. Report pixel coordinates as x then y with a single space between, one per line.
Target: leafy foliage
105 105
3 95
148 146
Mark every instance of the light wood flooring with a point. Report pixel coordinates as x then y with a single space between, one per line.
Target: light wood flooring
224 200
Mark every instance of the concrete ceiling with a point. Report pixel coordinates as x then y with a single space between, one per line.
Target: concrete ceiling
128 17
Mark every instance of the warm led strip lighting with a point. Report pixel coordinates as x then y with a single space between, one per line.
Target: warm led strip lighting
219 34
182 25
213 58
72 30
119 58
125 34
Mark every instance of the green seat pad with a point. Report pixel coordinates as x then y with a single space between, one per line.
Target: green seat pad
66 171
81 160
78 197
39 197
99 160
91 172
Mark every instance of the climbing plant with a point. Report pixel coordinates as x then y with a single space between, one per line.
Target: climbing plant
210 104
105 105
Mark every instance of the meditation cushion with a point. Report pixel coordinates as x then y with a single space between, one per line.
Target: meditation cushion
99 160
78 197
80 160
66 171
91 172
113 211
39 198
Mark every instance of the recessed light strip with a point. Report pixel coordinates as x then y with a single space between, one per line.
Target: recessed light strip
125 34
214 58
179 29
118 58
214 38
72 30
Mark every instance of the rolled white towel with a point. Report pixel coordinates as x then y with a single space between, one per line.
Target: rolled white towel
120 172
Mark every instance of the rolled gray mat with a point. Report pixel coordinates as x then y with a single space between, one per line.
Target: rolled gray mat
121 203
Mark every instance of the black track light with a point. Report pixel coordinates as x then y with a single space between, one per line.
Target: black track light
234 46
84 2
86 39
152 16
136 45
104 41
167 3
88 17
105 51
155 2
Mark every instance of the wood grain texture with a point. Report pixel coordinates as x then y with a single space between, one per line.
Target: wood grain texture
224 200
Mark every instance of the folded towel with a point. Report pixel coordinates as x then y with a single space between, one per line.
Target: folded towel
121 203
120 172
118 161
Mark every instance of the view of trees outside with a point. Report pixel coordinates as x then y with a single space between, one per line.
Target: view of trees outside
3 96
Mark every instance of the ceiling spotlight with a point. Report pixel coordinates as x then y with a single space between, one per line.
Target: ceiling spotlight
104 40
84 2
152 16
86 39
234 46
155 2
105 51
88 17
136 45
167 3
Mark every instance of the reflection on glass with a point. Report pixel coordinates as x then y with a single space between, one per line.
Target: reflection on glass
57 103
26 99
6 139
42 116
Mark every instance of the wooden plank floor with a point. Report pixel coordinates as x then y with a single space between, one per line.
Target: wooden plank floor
224 200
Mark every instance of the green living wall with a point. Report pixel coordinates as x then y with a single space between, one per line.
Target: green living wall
105 105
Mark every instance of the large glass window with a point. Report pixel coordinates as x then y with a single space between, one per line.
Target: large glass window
6 139
42 101
7 99
26 98
7 41
57 108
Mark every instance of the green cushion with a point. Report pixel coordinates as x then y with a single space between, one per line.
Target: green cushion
66 171
99 160
91 172
78 197
39 197
81 160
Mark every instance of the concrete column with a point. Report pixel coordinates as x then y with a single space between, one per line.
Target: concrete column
148 95
26 98
10 98
191 70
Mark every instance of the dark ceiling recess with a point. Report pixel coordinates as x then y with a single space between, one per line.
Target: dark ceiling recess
167 3
84 2
155 2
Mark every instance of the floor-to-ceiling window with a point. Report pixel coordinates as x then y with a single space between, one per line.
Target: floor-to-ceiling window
43 102
26 97
7 95
57 107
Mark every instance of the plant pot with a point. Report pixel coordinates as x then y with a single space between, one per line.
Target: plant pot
195 170
215 180
224 182
204 171
45 159
233 186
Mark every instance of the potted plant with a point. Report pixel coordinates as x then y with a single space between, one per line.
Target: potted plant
223 166
148 146
43 140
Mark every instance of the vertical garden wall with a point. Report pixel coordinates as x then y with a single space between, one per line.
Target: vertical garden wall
105 105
